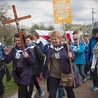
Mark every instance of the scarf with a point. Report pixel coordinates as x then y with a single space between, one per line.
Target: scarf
56 48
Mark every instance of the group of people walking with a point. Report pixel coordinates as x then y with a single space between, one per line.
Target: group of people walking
50 60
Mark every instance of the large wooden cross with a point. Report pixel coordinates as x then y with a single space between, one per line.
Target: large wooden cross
16 19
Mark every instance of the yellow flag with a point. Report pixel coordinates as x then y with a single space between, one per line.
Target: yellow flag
62 11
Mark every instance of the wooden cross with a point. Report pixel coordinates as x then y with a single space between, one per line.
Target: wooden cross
16 19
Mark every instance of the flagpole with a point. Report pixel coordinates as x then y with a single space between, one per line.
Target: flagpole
64 28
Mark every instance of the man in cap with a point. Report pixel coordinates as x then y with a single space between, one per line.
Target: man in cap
92 43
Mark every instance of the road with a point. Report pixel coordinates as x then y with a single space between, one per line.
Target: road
84 91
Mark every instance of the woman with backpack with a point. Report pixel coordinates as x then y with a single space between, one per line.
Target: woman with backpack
37 68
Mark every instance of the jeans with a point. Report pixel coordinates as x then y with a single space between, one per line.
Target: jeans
79 68
1 82
54 85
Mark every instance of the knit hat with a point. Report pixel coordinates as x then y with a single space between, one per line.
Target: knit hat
95 28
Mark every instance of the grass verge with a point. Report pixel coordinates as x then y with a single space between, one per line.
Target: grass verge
10 86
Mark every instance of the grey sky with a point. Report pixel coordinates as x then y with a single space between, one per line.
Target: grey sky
42 11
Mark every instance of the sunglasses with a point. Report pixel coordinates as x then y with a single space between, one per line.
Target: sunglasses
49 41
75 39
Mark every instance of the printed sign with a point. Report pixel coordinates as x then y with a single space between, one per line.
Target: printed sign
62 11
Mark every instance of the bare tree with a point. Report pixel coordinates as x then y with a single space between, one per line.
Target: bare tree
6 31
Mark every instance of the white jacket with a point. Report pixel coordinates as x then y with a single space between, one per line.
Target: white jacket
94 61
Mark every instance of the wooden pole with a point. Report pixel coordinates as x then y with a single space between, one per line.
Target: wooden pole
17 24
64 28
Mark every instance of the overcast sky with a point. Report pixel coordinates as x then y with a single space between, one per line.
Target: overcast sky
42 11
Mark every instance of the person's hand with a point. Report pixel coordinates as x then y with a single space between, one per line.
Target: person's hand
7 51
25 54
92 69
69 54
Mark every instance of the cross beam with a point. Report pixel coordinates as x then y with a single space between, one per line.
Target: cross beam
16 19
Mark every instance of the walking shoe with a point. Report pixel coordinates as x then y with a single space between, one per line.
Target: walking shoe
84 80
41 93
94 88
40 96
88 73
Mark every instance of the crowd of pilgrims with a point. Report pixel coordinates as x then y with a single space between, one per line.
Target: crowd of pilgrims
47 61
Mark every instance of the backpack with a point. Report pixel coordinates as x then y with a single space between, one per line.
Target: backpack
39 57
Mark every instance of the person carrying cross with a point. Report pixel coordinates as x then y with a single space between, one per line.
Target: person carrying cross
22 62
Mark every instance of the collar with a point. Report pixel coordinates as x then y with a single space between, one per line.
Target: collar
86 43
56 48
21 51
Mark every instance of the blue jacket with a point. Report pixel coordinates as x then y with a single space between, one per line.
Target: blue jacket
25 75
91 45
80 59
63 57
